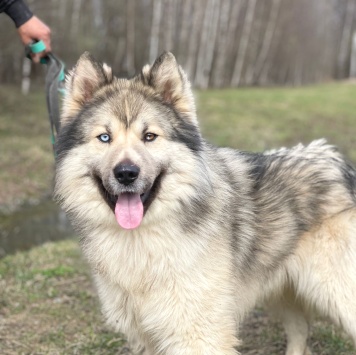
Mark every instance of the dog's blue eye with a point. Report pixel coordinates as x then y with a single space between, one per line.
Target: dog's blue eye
105 138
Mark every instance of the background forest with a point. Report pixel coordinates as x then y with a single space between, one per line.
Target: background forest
220 43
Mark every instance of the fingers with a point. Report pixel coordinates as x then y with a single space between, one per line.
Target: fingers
37 57
34 30
45 36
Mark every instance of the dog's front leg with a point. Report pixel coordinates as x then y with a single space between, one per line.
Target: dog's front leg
189 346
189 323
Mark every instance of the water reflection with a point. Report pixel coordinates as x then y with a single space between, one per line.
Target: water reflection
32 225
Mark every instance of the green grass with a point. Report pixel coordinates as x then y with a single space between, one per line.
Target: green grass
26 159
48 305
259 119
326 340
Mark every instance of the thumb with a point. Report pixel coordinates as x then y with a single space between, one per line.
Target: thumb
36 57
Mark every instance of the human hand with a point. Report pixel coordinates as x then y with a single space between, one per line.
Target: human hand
35 30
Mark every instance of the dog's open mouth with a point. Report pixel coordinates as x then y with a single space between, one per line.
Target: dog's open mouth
129 207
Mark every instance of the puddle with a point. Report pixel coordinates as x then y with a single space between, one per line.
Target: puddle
32 225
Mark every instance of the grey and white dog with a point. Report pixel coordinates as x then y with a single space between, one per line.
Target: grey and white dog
184 238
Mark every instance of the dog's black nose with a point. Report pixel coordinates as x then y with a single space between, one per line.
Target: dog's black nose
126 173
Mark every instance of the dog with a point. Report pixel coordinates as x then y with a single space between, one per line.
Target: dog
184 238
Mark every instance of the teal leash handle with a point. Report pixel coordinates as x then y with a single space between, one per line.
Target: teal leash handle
54 84
37 47
34 48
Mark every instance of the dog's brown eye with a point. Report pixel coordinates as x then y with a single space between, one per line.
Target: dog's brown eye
150 137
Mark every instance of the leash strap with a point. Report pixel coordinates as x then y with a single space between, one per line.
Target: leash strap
54 85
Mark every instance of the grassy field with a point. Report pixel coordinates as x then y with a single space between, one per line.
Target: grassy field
48 306
26 159
47 303
260 119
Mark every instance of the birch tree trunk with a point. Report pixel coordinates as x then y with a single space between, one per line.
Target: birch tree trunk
169 23
120 56
222 44
322 36
241 53
256 34
185 29
63 26
353 57
26 72
130 37
97 13
230 49
74 29
97 6
297 78
63 10
207 44
155 26
198 18
267 40
346 38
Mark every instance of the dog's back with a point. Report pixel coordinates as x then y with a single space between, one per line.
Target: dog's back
304 251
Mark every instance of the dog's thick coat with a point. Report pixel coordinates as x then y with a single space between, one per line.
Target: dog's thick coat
220 229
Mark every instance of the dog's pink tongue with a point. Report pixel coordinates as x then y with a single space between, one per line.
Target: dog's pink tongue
129 210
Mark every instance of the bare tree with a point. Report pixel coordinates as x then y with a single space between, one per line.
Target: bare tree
184 29
97 6
228 52
77 4
170 19
130 37
241 52
222 43
346 38
267 40
98 13
26 79
120 40
197 20
207 44
155 26
353 57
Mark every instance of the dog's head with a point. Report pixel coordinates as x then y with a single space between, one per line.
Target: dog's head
120 139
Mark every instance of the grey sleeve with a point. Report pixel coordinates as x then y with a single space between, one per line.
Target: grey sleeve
17 10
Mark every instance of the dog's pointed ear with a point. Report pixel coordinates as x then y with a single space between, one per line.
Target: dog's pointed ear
168 79
87 77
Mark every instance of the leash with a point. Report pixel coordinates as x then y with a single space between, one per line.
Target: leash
54 85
